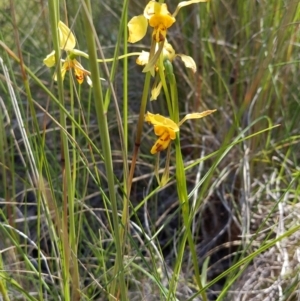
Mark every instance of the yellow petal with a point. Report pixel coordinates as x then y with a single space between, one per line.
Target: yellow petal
151 8
137 28
172 134
156 91
166 174
157 119
188 61
185 3
165 21
75 64
159 130
159 33
159 18
66 38
196 116
63 73
161 144
79 74
168 51
143 58
154 9
64 68
49 61
148 117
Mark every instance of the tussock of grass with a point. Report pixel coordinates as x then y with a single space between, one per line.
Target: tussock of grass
75 226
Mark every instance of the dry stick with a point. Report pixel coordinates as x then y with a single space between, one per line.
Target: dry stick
139 130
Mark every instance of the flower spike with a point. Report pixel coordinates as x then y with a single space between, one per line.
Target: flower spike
67 42
158 17
168 54
166 129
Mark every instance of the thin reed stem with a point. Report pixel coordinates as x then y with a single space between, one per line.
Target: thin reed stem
118 282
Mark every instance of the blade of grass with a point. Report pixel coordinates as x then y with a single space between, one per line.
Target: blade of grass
105 138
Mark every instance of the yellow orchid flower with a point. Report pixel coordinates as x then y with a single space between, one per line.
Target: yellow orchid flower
158 17
67 42
79 71
169 54
166 129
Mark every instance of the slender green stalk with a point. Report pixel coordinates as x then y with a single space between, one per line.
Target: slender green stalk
3 290
105 141
36 167
3 172
74 271
164 84
68 195
106 60
182 191
126 196
125 86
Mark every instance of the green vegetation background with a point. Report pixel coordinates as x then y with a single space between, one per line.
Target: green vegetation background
247 56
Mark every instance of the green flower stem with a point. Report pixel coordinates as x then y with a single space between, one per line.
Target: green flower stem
181 190
126 196
105 141
66 168
74 271
125 81
139 129
77 52
164 83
